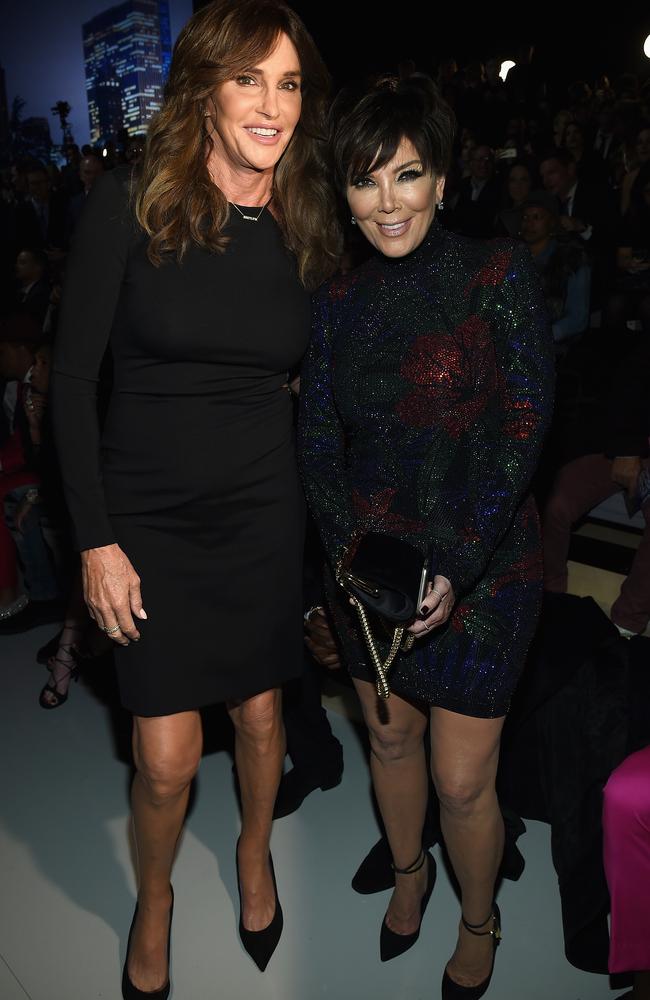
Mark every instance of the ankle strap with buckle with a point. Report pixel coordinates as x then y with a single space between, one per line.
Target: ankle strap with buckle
413 867
494 932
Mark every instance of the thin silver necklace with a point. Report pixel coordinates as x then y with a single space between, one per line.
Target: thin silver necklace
251 218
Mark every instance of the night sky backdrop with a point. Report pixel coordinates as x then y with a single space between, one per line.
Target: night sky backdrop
41 50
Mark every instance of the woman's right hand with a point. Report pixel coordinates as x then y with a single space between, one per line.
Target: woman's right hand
112 592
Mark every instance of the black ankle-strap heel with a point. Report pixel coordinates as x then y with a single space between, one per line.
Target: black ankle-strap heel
454 991
391 944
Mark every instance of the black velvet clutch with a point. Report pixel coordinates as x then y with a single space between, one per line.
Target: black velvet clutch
386 577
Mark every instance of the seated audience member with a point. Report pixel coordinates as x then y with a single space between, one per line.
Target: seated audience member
478 199
617 438
585 210
560 121
467 145
641 157
41 217
589 168
515 136
19 336
607 140
519 183
33 286
562 265
626 828
25 504
630 296
90 168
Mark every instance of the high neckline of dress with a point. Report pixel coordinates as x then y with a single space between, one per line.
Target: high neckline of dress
431 242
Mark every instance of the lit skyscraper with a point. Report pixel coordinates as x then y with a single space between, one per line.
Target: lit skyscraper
127 52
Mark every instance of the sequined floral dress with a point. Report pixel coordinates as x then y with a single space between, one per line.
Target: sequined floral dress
425 398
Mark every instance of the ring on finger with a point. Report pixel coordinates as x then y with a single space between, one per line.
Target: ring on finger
427 627
113 630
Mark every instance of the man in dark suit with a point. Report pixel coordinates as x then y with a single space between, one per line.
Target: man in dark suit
90 168
587 210
33 288
587 213
41 218
478 201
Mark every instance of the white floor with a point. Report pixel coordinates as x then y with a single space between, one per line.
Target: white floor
67 888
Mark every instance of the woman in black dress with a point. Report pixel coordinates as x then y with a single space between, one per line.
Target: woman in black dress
189 505
424 400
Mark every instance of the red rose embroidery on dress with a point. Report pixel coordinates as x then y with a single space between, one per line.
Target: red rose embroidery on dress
493 271
445 368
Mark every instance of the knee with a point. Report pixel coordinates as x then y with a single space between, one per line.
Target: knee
392 743
259 719
167 775
460 795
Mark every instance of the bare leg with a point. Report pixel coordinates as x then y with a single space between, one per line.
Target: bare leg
464 758
399 776
260 749
167 751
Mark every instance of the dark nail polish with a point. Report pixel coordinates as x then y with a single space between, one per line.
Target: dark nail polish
424 609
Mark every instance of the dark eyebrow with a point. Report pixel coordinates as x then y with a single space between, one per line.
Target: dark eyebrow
405 165
256 69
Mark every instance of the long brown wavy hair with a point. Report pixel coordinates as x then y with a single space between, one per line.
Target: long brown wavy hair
176 202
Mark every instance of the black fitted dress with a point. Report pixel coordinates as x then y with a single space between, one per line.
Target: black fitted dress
194 473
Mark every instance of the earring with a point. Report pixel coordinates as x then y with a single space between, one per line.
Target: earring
353 221
441 206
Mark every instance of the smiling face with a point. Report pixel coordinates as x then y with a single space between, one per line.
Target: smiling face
394 206
253 117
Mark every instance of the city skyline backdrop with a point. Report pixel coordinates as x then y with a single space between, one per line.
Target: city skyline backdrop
42 54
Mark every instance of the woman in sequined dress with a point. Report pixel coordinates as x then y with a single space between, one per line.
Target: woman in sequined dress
425 398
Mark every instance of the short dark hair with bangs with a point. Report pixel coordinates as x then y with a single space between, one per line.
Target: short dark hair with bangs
367 125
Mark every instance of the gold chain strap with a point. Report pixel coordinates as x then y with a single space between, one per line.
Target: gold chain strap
382 669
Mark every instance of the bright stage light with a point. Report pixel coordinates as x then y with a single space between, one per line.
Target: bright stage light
506 66
646 47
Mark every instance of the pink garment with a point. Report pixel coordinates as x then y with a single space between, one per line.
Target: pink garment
626 826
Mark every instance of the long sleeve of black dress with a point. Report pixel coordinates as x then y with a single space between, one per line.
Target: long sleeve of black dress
501 462
94 276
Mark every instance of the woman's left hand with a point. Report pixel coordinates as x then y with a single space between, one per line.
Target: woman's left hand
438 603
